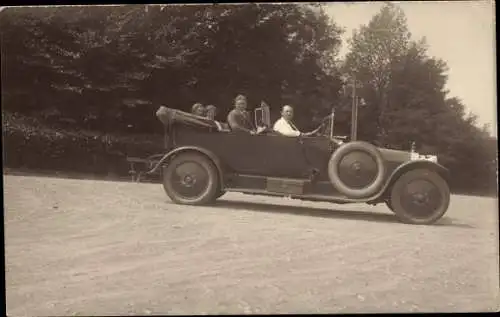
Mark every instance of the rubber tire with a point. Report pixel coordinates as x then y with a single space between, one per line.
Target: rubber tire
220 194
333 172
389 204
213 184
430 176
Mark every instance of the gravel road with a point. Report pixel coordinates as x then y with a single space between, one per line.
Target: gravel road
86 247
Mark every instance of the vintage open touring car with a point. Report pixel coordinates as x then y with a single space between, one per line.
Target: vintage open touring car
204 159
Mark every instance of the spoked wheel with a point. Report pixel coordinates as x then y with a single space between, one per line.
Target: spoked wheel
420 197
191 179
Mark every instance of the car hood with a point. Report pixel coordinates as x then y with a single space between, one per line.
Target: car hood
395 155
405 156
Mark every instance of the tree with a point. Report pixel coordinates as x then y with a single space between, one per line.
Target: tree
107 67
405 91
373 51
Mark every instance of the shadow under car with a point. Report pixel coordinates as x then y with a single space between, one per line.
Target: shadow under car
334 213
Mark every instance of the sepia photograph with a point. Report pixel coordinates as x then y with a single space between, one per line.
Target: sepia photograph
250 158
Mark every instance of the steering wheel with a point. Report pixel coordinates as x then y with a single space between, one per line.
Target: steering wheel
322 129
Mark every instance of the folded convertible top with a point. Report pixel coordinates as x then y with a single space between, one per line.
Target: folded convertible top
169 116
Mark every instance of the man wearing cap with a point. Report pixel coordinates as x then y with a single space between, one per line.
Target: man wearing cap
239 119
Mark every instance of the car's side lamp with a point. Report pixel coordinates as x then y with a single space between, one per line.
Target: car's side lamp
414 155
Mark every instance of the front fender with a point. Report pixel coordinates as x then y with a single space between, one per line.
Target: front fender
410 165
183 149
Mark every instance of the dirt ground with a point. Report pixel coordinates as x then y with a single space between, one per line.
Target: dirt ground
86 247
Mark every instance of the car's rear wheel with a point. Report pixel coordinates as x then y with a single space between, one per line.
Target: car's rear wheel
220 193
420 196
191 179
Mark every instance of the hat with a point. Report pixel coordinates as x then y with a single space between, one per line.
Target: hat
196 106
240 97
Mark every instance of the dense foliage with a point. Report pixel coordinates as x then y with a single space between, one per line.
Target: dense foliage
110 67
107 69
406 100
28 143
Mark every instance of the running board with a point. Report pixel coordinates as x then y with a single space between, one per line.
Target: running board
311 197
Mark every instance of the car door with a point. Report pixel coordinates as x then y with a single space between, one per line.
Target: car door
264 155
317 152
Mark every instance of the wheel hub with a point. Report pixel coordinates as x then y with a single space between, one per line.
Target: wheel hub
421 198
357 169
188 180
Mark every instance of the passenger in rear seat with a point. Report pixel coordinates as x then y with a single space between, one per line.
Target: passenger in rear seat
198 109
211 112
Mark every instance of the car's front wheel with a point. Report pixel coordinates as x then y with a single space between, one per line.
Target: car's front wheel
191 179
389 204
420 197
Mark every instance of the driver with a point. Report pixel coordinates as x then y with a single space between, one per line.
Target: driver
285 126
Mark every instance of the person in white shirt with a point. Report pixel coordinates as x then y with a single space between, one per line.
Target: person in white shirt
285 126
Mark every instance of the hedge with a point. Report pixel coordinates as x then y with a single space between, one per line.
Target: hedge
29 144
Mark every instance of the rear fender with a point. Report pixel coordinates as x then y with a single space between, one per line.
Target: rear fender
408 166
184 149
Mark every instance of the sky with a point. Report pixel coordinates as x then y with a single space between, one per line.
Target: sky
462 33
